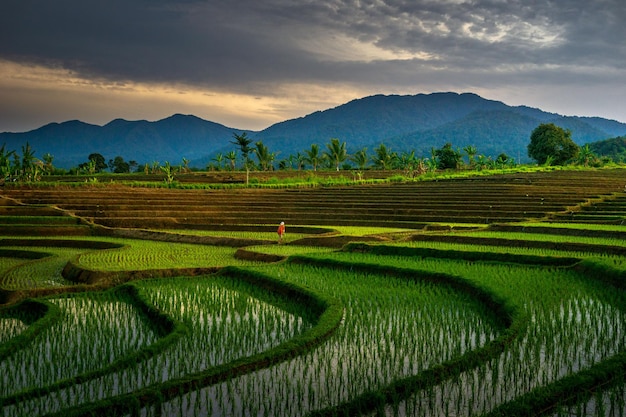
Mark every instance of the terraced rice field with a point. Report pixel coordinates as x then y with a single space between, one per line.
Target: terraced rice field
494 296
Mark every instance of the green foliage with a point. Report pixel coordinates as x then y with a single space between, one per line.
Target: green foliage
447 157
336 152
550 142
614 148
384 158
119 166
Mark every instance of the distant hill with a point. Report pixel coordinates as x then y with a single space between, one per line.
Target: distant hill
615 148
403 123
169 139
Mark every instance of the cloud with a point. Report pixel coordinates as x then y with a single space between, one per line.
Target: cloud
266 48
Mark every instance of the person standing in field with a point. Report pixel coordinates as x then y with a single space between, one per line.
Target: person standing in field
281 231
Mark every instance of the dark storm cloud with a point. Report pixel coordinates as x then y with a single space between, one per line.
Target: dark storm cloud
277 48
247 41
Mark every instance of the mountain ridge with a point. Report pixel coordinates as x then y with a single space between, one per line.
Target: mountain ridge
402 122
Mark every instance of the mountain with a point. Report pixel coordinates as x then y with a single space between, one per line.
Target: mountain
171 139
403 123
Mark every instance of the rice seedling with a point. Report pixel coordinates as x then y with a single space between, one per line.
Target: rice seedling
140 254
575 323
94 331
548 238
606 403
394 327
579 226
370 230
10 327
225 321
288 250
270 236
38 273
514 250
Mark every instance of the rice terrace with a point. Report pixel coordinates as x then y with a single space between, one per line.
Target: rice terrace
490 295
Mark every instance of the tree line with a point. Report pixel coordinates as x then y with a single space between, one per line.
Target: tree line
549 145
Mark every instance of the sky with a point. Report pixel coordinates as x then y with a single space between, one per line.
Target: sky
248 64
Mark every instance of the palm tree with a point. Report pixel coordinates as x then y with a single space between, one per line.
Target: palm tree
470 151
408 162
265 157
231 157
5 162
336 152
47 163
313 156
360 158
244 146
300 161
28 159
481 162
219 159
585 155
384 158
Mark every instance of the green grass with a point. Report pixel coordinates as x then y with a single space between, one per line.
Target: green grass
577 226
38 273
288 250
515 250
269 236
541 237
143 255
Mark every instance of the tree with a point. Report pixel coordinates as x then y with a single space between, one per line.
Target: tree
265 157
470 151
410 164
360 158
586 155
244 146
383 158
313 156
336 152
28 160
219 159
119 166
231 157
551 141
5 162
48 168
447 158
300 160
99 162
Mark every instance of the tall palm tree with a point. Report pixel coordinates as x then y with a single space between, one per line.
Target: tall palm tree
336 152
313 156
28 160
244 146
